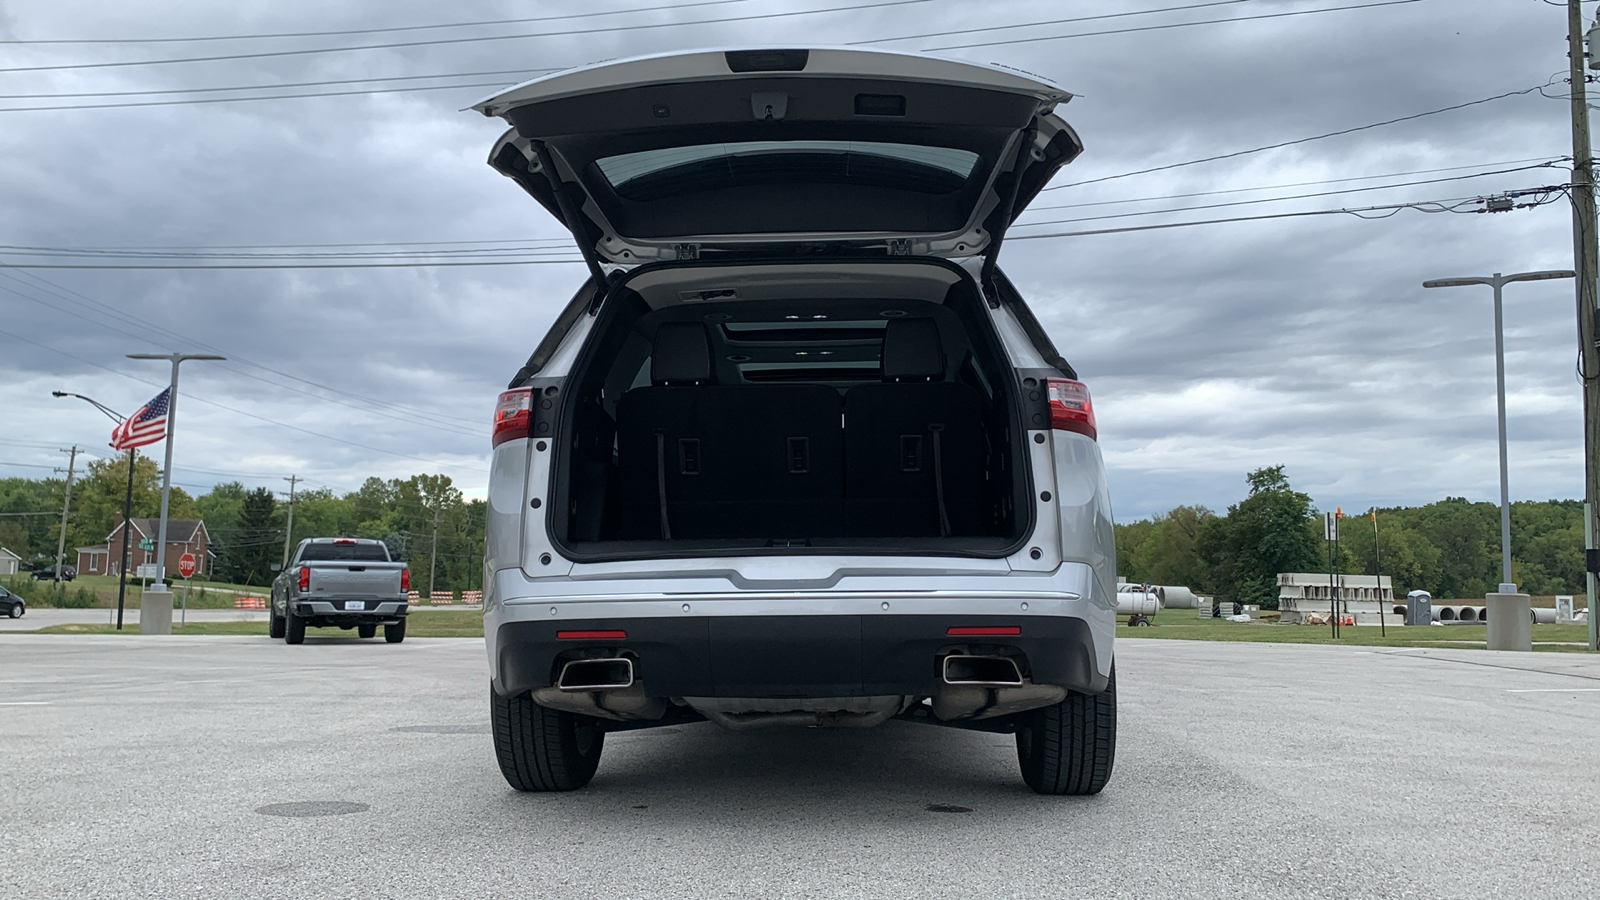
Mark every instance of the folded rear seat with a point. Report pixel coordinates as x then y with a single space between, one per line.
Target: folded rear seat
914 445
700 460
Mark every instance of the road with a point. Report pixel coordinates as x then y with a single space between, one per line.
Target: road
135 767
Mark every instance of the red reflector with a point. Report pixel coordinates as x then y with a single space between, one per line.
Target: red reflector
968 630
591 635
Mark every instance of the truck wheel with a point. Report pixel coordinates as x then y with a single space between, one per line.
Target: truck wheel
394 634
543 749
366 631
1069 748
294 631
275 626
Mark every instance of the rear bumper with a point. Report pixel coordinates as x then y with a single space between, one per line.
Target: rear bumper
795 656
334 613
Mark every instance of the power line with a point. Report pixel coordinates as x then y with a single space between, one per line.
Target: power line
1380 187
1118 15
389 30
1280 15
192 101
1304 140
1548 160
307 51
278 86
1439 206
350 265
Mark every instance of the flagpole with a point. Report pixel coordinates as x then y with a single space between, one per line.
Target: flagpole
166 469
1377 569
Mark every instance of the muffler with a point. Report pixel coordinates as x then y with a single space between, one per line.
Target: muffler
596 674
989 671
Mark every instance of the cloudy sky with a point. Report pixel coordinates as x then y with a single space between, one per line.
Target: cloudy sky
1210 349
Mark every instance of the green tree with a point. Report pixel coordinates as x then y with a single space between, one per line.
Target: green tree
255 541
1264 534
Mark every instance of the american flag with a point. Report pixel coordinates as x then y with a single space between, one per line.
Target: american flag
146 426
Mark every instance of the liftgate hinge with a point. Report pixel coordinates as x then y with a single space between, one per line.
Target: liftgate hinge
687 251
899 246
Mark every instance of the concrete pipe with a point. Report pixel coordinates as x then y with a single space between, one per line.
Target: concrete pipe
1445 613
1467 614
1175 596
1542 616
1399 610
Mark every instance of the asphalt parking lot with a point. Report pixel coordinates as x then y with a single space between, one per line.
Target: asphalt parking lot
153 767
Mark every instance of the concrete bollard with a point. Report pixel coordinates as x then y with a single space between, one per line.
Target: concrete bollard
1510 625
155 612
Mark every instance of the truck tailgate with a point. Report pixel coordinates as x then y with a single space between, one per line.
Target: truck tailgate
357 580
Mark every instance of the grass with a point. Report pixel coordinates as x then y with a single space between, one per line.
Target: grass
467 623
1181 624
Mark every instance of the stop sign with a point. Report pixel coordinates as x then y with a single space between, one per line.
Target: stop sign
186 565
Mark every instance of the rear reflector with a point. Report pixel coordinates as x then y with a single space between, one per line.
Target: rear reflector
1070 406
591 635
979 630
512 416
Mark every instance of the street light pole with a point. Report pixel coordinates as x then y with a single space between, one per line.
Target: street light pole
1498 281
127 500
166 470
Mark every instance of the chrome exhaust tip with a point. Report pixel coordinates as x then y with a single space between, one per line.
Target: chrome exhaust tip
596 674
990 671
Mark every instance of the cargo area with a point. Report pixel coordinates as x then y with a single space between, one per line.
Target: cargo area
789 407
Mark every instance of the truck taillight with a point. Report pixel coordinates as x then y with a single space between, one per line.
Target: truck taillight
511 416
405 579
1070 406
305 578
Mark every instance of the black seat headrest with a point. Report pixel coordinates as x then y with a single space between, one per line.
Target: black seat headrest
912 351
681 355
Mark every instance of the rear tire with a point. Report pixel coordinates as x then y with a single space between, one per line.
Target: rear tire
16 611
543 749
366 631
1069 748
275 625
394 634
294 629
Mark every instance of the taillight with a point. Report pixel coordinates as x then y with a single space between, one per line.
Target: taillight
512 415
305 578
1070 406
405 579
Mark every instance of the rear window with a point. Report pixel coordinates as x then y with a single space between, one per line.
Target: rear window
653 173
343 552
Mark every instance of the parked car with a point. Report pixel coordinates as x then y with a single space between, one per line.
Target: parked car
798 453
11 605
48 573
340 582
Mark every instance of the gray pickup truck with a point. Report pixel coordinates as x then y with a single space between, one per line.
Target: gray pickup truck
343 582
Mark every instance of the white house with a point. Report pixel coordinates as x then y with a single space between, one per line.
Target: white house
9 562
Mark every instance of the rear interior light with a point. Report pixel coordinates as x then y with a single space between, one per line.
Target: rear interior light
305 578
591 635
982 630
512 416
405 579
1070 406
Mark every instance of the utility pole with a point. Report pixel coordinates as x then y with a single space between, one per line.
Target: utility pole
288 530
61 540
433 557
1585 262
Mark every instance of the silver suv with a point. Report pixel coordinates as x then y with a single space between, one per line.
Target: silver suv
797 452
